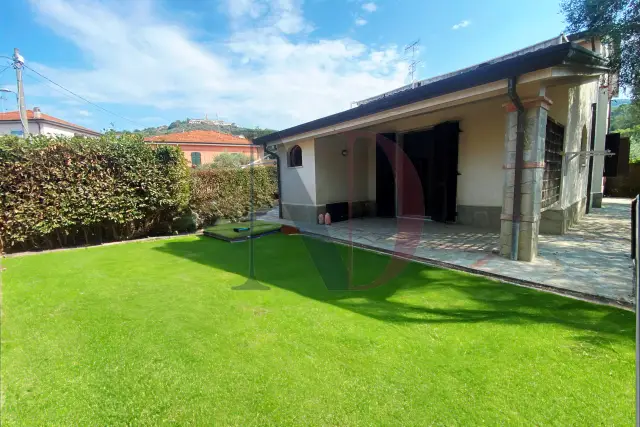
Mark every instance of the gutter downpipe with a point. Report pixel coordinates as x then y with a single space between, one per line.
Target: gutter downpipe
518 167
266 150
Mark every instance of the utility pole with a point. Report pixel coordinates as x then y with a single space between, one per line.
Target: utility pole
18 62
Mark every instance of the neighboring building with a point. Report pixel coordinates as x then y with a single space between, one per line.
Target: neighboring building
445 148
41 124
207 121
202 146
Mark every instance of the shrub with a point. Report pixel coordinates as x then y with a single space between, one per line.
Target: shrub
57 191
224 193
228 160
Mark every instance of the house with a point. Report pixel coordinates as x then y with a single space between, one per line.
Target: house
41 124
202 146
448 148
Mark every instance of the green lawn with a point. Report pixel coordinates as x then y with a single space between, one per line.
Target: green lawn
154 333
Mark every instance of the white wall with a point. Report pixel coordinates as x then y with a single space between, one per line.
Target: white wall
48 129
7 128
343 178
298 184
34 129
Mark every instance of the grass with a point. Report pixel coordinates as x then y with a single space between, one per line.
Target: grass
226 232
153 333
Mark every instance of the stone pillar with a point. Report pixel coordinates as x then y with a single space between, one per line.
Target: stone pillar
532 174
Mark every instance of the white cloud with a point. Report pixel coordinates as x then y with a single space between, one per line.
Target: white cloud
283 15
370 7
360 22
84 113
258 75
461 24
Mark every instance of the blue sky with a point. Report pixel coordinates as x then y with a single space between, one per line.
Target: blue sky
268 63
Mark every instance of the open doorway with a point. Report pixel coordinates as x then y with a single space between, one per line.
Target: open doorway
433 155
385 175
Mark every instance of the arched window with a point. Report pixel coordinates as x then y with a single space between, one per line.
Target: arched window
295 156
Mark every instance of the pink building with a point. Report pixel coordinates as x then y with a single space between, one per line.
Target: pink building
202 146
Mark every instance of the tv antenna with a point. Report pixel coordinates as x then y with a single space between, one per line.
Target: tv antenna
413 65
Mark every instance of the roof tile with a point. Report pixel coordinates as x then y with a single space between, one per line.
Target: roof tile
199 136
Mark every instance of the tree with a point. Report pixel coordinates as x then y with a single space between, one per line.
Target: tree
618 23
175 124
625 116
229 160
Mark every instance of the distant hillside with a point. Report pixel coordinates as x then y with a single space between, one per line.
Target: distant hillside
618 102
184 126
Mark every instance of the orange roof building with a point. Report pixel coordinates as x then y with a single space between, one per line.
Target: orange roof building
202 146
41 124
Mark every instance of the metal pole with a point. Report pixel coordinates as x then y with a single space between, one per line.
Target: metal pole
18 62
252 273
637 285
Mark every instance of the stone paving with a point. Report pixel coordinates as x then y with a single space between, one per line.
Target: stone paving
592 259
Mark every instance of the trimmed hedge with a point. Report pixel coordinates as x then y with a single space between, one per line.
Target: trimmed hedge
224 193
57 191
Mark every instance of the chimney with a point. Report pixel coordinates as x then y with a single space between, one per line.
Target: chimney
37 114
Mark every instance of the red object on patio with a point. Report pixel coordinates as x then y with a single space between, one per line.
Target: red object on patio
287 229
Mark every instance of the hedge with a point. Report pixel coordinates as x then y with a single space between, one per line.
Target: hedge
57 191
224 193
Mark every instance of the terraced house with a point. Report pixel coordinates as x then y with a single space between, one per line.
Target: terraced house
449 148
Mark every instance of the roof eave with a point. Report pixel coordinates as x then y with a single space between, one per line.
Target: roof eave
567 53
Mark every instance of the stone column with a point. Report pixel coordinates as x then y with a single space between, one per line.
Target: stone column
532 174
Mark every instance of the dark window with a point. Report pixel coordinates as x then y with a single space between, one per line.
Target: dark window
295 156
196 159
553 146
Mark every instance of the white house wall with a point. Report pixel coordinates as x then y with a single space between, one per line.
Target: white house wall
299 183
324 177
7 128
37 129
48 129
341 178
574 189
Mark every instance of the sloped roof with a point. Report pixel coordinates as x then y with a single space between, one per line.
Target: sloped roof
200 136
11 116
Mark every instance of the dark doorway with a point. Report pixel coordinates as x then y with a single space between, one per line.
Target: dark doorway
419 149
385 177
433 154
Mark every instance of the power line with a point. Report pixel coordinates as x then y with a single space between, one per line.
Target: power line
4 69
38 79
80 97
